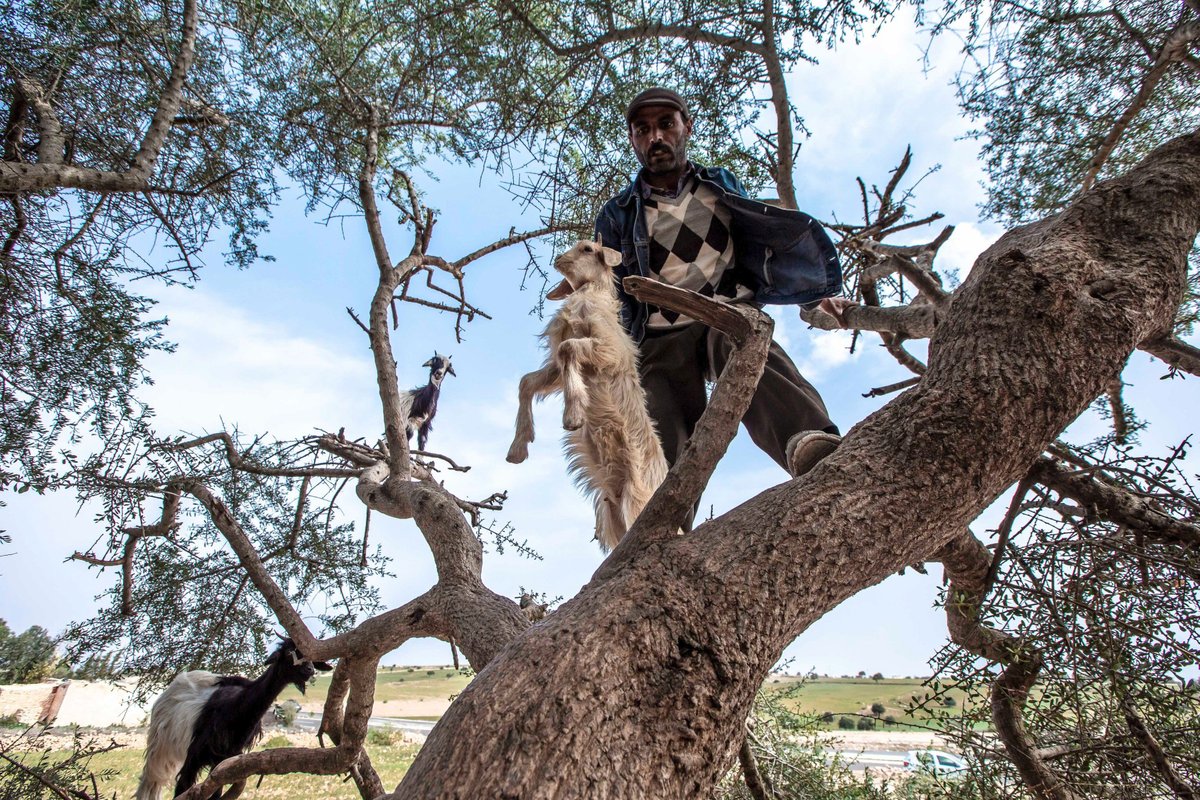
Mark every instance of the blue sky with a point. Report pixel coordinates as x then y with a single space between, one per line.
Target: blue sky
273 350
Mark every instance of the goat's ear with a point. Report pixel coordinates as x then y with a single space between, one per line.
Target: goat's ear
564 289
428 363
322 665
612 258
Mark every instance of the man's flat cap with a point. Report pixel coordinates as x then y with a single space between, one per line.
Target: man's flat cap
656 96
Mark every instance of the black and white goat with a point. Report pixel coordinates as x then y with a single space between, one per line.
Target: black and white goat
420 404
203 719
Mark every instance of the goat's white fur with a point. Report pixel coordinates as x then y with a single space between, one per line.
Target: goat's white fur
613 450
172 721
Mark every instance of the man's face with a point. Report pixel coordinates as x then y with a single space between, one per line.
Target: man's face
659 137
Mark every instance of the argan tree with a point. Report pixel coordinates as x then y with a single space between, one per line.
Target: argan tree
640 686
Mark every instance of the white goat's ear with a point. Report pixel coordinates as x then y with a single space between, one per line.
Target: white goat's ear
598 238
428 363
564 289
612 258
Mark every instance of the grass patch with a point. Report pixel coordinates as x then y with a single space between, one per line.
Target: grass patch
390 760
421 684
855 696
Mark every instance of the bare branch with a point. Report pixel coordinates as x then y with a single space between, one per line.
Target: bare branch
1177 353
893 387
238 462
165 525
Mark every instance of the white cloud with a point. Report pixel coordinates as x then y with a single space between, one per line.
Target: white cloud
959 252
267 376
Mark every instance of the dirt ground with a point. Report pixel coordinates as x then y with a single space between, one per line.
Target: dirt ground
88 704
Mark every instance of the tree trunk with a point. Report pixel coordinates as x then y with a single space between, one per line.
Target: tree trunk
639 686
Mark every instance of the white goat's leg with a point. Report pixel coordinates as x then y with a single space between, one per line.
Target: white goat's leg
573 356
536 384
611 525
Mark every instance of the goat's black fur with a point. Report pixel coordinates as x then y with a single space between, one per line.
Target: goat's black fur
231 719
423 400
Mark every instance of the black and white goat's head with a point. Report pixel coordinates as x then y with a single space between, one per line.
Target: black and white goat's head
587 262
292 667
439 365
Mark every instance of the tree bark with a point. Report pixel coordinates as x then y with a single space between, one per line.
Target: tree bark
639 686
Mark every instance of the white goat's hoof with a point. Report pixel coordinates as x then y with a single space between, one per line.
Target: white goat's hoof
517 454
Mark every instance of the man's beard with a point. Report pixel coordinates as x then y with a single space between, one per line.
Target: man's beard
659 166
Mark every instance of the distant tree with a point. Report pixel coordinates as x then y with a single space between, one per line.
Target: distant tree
878 676
877 708
28 657
865 724
846 723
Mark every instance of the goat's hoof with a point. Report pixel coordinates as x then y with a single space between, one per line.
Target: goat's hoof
517 454
572 422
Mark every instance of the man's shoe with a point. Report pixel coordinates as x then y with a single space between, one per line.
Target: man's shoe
806 448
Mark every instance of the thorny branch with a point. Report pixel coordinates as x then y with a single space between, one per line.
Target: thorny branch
165 525
50 172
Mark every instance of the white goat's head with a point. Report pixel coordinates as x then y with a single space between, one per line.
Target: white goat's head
586 262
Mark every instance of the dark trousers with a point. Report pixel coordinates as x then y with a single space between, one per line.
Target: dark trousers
674 367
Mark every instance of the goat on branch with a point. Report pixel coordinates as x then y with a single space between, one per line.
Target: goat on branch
420 404
203 718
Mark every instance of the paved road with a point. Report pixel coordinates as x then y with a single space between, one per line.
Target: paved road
310 721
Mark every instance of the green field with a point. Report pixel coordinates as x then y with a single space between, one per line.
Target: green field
855 696
391 684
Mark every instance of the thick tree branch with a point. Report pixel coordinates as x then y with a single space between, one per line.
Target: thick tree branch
750 331
1158 757
252 563
394 419
661 657
909 322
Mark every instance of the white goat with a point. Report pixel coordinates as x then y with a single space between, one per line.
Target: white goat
614 453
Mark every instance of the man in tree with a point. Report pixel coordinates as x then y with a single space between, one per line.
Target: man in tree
694 227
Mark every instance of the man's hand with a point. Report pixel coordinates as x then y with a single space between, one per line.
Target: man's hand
836 308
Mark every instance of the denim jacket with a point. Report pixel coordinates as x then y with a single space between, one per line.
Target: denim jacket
783 256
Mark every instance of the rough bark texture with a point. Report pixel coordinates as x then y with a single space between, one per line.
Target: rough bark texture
639 686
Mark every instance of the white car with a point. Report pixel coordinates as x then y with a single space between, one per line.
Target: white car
934 762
